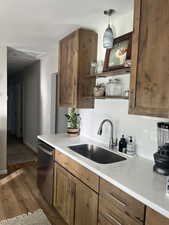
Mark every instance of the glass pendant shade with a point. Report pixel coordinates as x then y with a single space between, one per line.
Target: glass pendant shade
108 38
108 34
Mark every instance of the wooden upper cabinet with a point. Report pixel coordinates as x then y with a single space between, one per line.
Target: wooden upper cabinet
68 70
150 60
154 218
77 51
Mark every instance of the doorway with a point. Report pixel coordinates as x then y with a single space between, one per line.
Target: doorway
23 73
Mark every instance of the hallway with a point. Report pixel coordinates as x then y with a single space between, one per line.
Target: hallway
18 153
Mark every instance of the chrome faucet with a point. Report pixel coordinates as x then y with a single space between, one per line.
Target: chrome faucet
111 141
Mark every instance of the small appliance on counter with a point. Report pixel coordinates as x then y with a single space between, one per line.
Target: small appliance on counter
161 157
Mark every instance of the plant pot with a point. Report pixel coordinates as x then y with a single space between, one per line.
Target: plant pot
73 132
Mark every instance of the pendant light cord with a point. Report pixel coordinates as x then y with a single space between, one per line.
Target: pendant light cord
109 20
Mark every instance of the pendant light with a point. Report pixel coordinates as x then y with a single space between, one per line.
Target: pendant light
108 34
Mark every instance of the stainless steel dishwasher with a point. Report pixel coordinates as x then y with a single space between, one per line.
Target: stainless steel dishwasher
45 170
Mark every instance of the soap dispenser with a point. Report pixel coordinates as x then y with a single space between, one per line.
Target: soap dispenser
131 147
122 144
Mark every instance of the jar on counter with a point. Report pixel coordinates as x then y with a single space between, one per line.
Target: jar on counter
114 88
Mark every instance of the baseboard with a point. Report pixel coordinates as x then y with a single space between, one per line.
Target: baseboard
3 172
30 146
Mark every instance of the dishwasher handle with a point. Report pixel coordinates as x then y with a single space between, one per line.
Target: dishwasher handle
45 150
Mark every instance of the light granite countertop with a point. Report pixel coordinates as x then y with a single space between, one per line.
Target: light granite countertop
134 176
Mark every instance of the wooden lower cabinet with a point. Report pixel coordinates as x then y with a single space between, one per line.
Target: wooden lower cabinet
75 201
79 204
77 170
154 218
117 207
86 205
64 194
105 221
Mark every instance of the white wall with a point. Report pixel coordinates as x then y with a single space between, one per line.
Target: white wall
49 66
3 108
143 129
31 96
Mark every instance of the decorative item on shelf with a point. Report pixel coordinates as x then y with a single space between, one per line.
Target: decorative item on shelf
120 55
108 34
100 66
99 90
73 119
127 63
93 68
114 88
126 93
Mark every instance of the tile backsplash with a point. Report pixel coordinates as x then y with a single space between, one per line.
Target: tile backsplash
143 129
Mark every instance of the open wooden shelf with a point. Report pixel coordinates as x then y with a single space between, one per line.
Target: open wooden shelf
119 71
113 97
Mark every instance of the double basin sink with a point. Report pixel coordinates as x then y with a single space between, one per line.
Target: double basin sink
97 154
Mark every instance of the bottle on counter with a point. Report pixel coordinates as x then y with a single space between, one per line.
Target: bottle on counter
131 147
122 144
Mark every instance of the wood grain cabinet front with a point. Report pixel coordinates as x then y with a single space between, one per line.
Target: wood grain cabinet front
118 208
149 92
154 218
77 170
86 208
64 194
76 53
75 202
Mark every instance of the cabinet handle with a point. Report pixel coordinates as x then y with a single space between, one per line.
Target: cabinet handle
115 199
112 218
45 151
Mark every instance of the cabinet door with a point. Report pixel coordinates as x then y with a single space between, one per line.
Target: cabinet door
68 67
150 61
64 194
87 54
154 218
86 206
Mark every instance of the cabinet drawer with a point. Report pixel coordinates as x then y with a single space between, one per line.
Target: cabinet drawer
154 218
113 196
110 214
85 175
104 220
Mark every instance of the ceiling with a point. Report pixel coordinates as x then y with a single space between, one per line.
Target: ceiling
18 60
38 24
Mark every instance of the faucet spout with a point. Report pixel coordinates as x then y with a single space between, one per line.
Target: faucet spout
111 141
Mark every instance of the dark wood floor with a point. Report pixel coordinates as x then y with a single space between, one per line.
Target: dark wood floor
18 153
19 194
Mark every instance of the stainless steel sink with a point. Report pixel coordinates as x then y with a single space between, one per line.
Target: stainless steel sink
97 154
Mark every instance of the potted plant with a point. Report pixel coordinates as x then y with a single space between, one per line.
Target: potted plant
73 119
